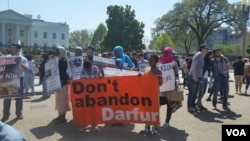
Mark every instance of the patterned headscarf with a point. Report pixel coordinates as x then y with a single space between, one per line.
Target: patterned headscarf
169 58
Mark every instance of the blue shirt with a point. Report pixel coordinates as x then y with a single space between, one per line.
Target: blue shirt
9 133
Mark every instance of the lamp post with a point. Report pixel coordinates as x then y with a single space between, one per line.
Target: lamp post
245 12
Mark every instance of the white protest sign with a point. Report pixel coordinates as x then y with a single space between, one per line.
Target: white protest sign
75 66
53 81
168 77
108 72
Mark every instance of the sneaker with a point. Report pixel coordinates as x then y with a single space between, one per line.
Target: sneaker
191 110
96 129
20 117
146 129
208 99
81 129
165 125
214 107
154 132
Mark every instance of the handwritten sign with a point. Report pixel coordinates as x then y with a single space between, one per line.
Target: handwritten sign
168 77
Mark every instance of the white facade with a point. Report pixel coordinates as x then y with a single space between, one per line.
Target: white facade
31 32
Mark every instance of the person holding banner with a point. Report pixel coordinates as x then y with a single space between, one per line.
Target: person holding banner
142 63
78 51
62 97
90 71
90 52
119 53
167 59
156 71
15 51
119 64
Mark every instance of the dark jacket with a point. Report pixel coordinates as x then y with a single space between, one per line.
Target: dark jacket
63 66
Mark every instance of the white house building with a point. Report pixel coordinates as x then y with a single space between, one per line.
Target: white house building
16 27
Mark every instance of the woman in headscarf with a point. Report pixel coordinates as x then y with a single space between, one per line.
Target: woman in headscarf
62 97
119 64
167 57
119 53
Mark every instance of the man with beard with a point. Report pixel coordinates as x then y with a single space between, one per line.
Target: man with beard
15 51
220 69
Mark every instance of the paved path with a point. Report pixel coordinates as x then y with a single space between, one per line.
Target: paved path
203 126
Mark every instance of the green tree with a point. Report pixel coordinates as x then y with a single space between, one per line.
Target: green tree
248 49
80 38
98 37
123 29
230 50
199 17
162 41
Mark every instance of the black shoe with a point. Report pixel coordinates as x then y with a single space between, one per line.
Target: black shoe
4 119
201 107
20 117
59 121
215 108
55 119
226 108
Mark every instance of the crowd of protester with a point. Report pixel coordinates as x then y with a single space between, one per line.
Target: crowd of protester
207 71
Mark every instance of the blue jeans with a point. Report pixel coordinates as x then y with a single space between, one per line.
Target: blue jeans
221 83
202 91
247 82
193 87
29 78
44 86
19 103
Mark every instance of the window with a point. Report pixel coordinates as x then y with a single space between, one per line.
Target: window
9 32
44 34
21 33
63 37
45 46
54 35
35 34
35 45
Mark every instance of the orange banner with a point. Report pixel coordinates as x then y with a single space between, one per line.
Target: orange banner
123 99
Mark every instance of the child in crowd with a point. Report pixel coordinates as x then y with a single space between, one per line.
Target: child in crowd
154 70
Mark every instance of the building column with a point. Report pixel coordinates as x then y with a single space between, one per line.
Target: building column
17 34
29 36
3 34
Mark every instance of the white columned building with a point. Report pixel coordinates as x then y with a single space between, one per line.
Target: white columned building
16 27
